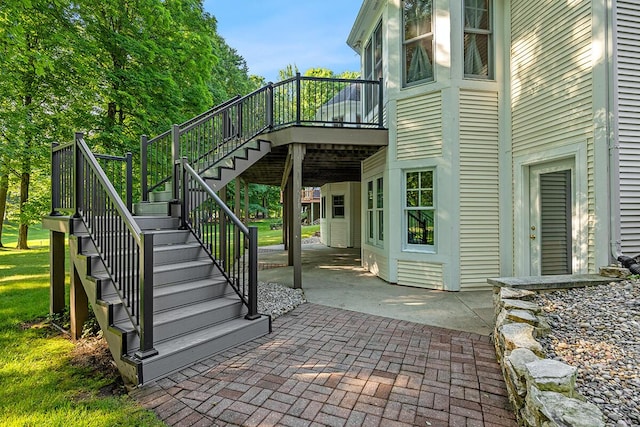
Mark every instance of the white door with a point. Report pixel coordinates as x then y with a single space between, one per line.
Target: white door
551 218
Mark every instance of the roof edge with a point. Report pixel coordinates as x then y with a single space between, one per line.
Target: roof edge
368 11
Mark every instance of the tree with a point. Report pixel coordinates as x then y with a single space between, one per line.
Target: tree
36 41
264 198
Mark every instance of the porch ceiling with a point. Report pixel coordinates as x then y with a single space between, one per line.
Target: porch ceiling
331 154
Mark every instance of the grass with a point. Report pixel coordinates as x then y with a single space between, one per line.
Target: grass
39 384
267 236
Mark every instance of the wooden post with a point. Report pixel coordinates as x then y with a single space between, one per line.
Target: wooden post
57 273
296 217
236 198
246 202
290 223
79 305
285 216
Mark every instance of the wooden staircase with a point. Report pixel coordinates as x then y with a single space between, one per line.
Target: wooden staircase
196 312
173 279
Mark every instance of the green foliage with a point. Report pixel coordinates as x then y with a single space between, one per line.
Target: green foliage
39 384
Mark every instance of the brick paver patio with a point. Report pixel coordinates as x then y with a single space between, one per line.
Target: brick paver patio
324 366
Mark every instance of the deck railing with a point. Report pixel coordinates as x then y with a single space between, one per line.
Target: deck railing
80 185
229 243
299 101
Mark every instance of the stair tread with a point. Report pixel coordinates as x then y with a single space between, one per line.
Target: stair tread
172 288
176 246
194 338
173 314
185 264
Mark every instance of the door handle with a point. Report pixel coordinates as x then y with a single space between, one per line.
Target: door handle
532 236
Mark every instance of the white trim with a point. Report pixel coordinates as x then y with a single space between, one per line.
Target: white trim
576 151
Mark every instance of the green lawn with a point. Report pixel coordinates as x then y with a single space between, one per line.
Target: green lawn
267 237
40 387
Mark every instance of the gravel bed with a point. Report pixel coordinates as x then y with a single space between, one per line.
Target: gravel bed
597 330
276 299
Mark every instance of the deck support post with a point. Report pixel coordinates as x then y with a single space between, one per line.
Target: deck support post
297 155
57 273
79 304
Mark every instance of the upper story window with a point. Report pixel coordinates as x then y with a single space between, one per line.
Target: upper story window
417 40
477 39
373 67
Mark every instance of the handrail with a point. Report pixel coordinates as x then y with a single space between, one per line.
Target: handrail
232 246
126 250
211 137
162 154
123 184
62 178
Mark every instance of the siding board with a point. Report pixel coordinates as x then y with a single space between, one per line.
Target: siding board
420 274
419 127
628 90
479 200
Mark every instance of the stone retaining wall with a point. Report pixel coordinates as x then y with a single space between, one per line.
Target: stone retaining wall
542 391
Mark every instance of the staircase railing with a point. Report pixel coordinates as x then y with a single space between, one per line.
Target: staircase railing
158 155
298 101
229 243
119 170
82 185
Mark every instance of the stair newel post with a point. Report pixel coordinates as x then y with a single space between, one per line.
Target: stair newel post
240 131
181 171
380 104
253 274
145 297
79 176
143 168
129 163
56 199
175 157
298 100
270 105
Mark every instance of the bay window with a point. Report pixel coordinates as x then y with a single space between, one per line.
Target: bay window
417 40
373 67
477 39
375 212
419 210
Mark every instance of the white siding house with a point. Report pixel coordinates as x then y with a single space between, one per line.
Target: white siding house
514 134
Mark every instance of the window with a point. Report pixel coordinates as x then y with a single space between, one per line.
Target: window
373 67
419 209
477 39
323 207
375 212
417 40
338 206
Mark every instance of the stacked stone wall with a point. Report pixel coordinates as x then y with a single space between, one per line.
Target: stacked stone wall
542 391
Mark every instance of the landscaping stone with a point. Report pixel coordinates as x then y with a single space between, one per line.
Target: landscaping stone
519 335
615 271
551 375
548 408
523 316
511 293
510 304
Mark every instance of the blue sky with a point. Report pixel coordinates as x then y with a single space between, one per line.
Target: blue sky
269 34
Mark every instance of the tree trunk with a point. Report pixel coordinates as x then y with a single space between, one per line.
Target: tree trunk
23 231
4 189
